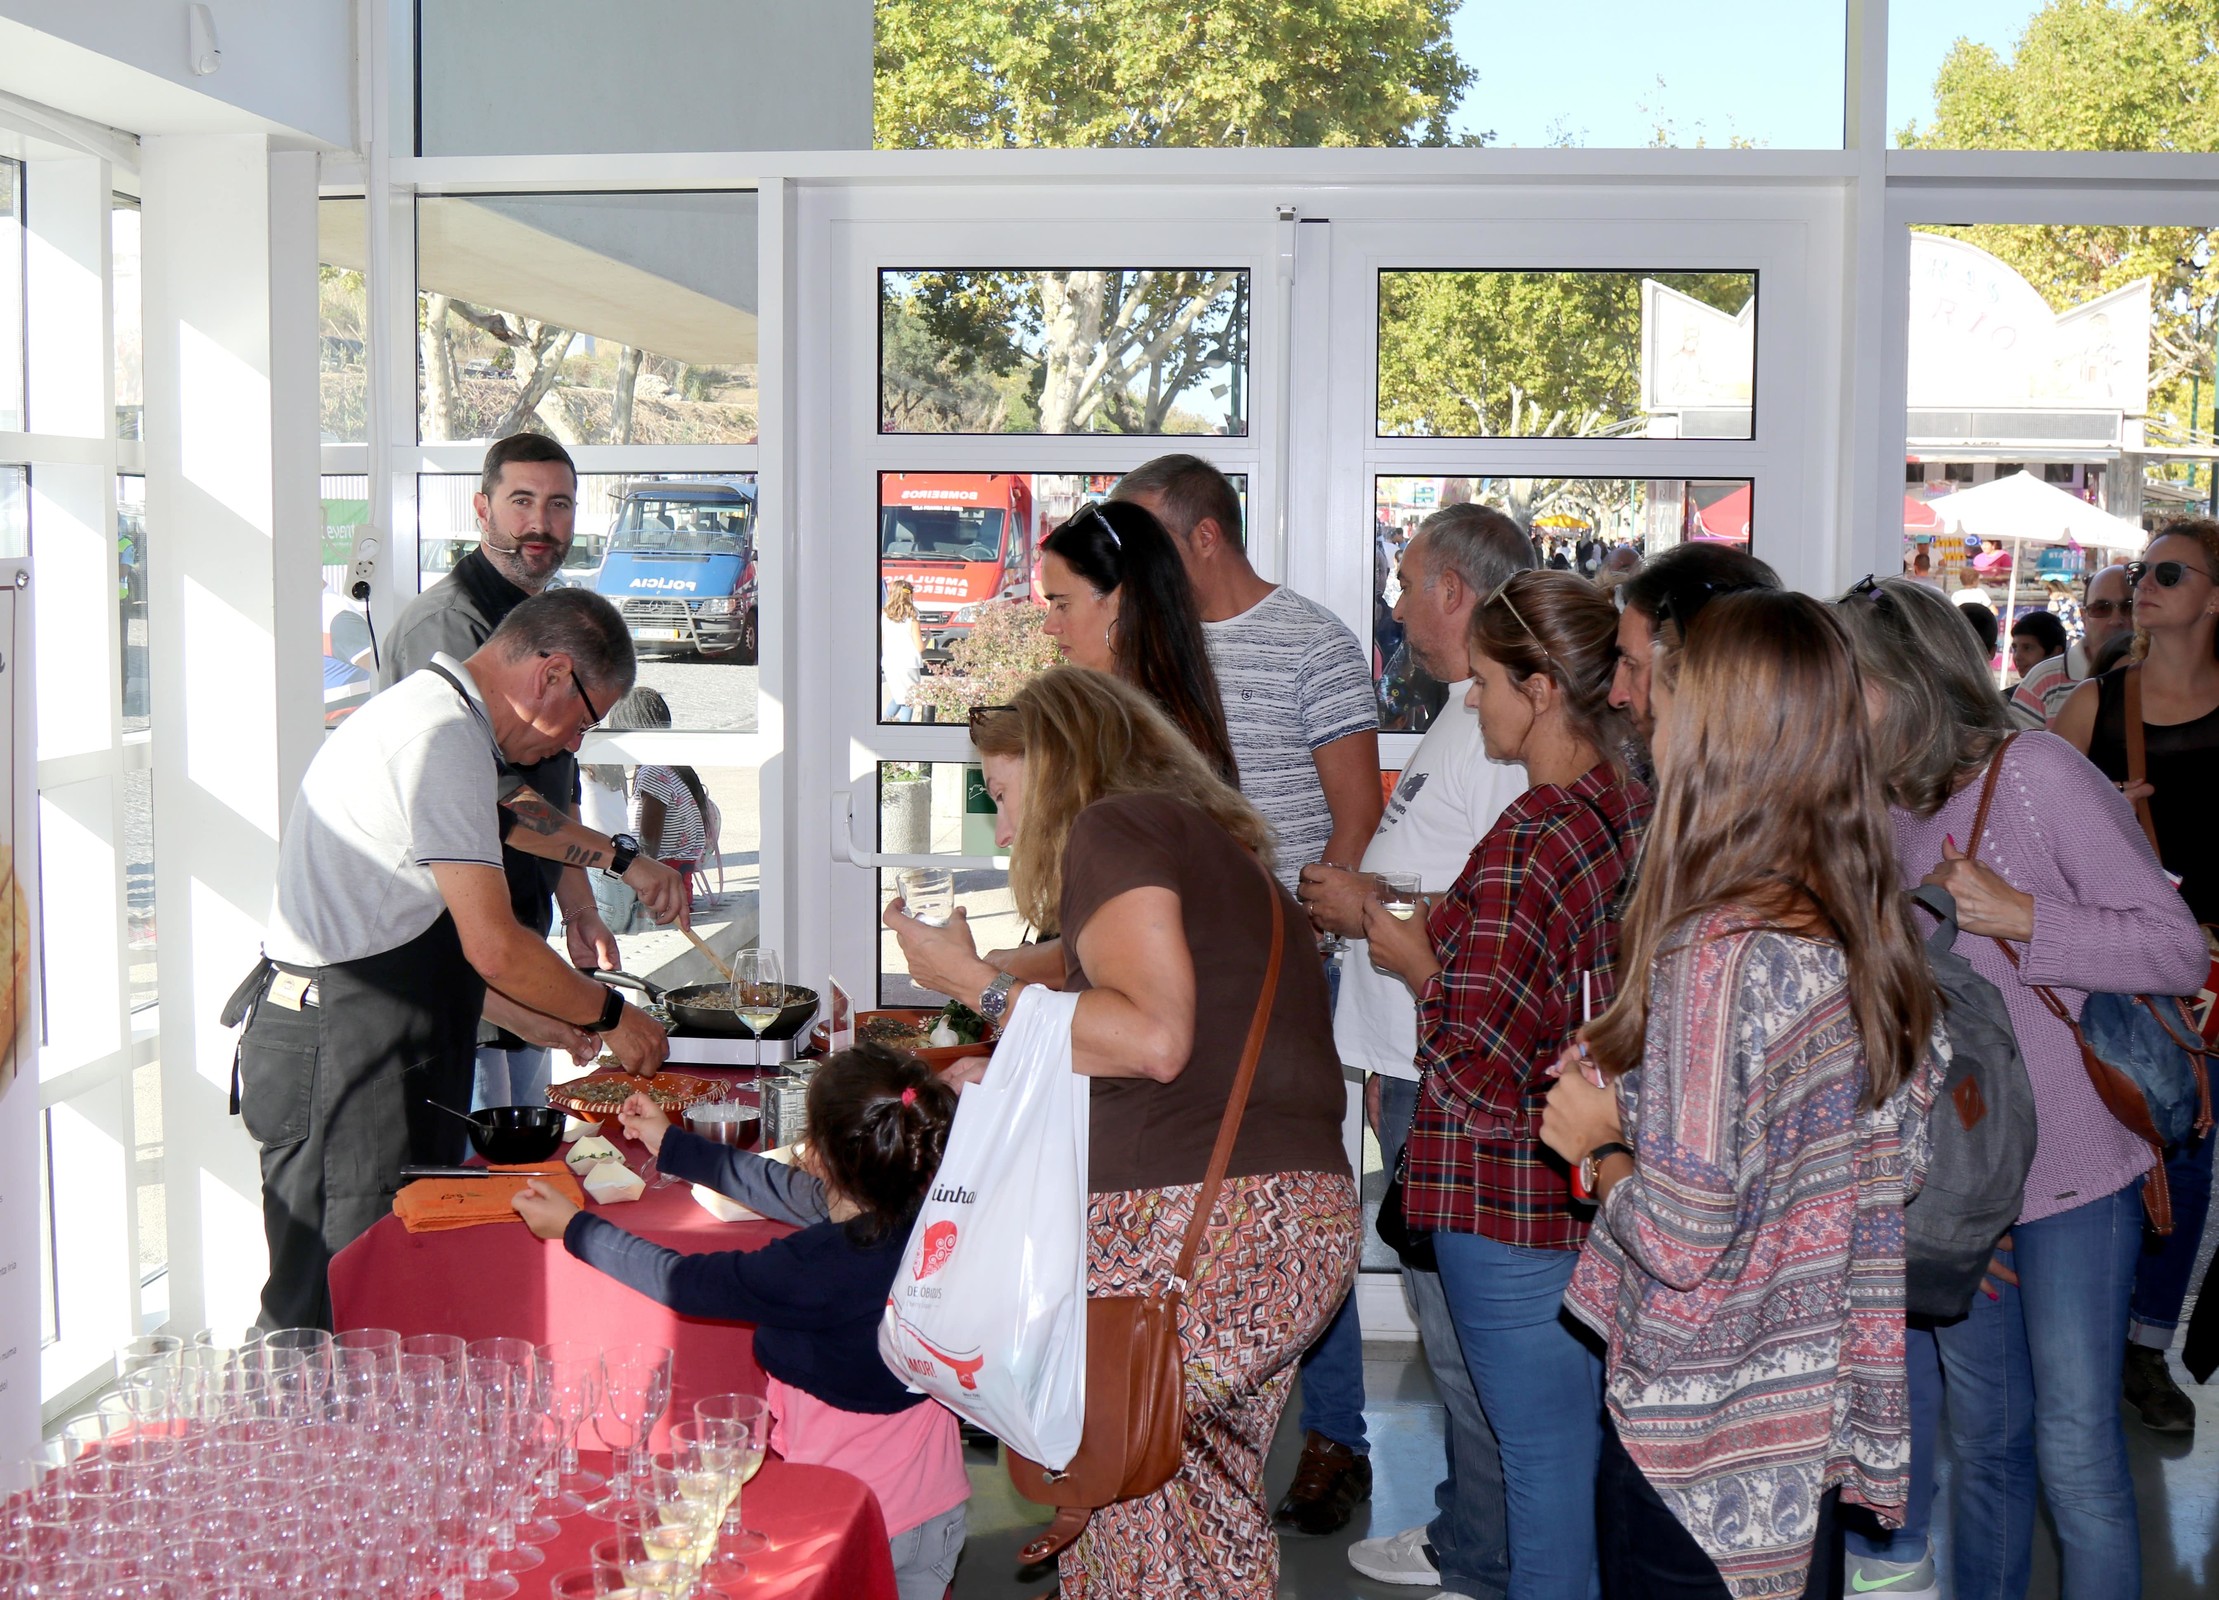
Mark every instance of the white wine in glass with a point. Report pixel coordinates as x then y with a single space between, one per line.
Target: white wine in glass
758 988
1398 894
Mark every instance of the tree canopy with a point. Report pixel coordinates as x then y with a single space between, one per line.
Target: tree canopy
1128 73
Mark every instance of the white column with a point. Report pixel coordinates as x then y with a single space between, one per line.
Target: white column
230 275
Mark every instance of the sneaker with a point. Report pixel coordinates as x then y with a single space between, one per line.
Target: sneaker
1328 1482
1402 1557
1899 1580
2150 1389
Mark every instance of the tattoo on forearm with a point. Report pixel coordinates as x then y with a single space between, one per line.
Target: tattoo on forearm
536 814
577 855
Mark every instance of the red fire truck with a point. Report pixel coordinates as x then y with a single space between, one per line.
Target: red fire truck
958 539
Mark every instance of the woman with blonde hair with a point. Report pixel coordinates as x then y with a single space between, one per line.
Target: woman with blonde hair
901 650
1768 1062
1503 970
1156 872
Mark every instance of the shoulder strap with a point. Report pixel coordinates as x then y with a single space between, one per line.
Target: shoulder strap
2138 769
1228 1130
1988 795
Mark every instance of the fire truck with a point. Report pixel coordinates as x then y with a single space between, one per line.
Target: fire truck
958 539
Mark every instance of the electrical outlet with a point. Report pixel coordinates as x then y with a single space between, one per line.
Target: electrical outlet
363 566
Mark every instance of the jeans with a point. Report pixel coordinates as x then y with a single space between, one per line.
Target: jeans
1648 1555
2161 1277
1861 1530
1540 1382
2034 1386
510 1077
1469 1533
925 1556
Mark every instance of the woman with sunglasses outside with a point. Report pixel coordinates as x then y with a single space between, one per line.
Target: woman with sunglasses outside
1119 602
1505 970
1770 1057
2175 664
2062 873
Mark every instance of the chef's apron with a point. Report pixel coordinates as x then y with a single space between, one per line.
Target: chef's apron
334 1089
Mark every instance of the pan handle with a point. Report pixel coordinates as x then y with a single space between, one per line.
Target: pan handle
626 980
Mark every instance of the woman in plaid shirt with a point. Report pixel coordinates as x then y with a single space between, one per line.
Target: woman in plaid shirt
1505 969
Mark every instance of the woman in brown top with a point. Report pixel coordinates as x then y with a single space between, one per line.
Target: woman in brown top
1153 869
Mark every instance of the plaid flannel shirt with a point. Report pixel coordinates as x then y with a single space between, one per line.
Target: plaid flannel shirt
1530 913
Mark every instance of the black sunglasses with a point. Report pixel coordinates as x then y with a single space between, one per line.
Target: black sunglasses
1093 508
979 714
2167 573
593 712
1868 588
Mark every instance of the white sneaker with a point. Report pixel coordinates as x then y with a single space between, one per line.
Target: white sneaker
1399 1558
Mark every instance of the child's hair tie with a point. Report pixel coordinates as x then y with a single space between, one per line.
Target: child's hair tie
909 1097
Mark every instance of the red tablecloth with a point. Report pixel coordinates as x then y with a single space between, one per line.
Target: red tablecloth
499 1280
827 1540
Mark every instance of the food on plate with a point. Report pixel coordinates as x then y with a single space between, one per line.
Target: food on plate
955 1024
599 1095
590 1152
612 1182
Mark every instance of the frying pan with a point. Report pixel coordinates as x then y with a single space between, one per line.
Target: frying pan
706 1007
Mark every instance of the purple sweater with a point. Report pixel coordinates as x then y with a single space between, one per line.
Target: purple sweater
2106 919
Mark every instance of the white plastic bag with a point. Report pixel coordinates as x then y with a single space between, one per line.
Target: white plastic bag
988 1310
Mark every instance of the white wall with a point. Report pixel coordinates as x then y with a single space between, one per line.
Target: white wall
572 77
122 62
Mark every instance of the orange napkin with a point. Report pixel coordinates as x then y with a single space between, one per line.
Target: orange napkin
431 1204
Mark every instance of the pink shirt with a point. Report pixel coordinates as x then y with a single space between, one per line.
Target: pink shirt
912 1460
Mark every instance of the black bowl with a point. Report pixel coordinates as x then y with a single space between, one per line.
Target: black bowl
516 1135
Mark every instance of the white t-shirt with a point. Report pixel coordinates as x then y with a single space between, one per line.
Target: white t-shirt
1292 679
1449 796
411 779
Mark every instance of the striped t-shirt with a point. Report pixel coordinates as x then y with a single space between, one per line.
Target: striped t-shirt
1293 679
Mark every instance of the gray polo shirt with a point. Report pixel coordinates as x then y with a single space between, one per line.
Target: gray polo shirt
409 780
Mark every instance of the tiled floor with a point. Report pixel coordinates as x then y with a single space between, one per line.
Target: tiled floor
2178 1485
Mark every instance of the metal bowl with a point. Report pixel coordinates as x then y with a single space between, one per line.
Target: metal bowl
516 1135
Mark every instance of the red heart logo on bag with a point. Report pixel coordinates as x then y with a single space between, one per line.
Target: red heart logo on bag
939 1245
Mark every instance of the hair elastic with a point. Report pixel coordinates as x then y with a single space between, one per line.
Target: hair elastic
909 1097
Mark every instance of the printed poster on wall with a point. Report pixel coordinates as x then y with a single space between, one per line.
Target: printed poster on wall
19 1085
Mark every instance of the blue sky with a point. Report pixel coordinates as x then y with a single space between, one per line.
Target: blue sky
1582 71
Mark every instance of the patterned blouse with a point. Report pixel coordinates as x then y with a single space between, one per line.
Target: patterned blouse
1748 1277
1529 916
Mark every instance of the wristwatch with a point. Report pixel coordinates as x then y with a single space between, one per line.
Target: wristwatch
623 852
612 1012
1587 1181
994 999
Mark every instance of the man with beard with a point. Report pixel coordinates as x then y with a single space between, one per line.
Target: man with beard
527 507
1660 600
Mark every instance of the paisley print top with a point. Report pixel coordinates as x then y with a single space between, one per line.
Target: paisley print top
1749 1276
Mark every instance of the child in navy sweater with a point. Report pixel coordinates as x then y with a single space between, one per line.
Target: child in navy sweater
877 1125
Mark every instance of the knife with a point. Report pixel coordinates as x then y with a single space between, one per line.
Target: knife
459 1172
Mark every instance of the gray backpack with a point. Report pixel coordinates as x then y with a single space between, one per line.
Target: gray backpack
1982 1130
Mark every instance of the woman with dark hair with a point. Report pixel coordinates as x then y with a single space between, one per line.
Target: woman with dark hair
1119 602
1504 971
1768 1060
2061 878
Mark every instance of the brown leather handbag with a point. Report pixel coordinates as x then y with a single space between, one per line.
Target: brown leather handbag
1133 1435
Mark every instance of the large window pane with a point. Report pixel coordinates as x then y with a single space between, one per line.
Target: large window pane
598 318
1601 528
674 551
15 511
11 296
1478 354
131 590
126 300
961 547
138 885
1161 351
940 808
343 315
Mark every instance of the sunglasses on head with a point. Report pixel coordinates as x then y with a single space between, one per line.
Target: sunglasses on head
979 714
1869 588
2165 573
1093 508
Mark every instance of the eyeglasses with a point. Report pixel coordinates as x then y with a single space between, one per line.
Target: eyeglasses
593 712
979 714
1869 588
2101 609
2167 573
1502 593
1093 508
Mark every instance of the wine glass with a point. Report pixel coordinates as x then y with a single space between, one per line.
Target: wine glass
569 1390
758 988
740 1423
712 1469
635 1386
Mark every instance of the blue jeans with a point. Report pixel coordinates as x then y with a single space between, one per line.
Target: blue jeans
1540 1382
1469 1532
2034 1387
510 1077
2161 1277
1861 1530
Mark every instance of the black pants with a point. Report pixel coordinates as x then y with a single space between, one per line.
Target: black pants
335 1094
1647 1555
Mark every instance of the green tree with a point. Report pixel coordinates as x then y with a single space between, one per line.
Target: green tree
1093 73
2100 75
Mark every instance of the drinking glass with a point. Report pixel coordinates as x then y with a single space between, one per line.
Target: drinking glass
758 988
153 1350
1398 893
1331 944
623 1559
569 1391
741 1423
711 1470
635 1387
928 894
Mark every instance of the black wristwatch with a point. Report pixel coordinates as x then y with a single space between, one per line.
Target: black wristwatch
612 1012
624 850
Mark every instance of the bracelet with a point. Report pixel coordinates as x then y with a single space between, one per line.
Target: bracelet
612 1013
